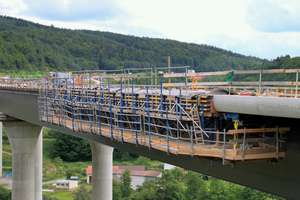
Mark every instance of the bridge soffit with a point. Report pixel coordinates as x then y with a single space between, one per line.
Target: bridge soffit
7 118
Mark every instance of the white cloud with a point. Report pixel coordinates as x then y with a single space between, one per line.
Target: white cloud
261 28
274 16
263 45
189 20
11 7
75 10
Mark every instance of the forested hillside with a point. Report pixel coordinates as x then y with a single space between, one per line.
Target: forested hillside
28 46
282 62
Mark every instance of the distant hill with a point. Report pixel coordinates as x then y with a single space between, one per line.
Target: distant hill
28 46
282 62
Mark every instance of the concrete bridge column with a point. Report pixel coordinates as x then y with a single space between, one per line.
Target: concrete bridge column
1 149
102 161
24 138
38 186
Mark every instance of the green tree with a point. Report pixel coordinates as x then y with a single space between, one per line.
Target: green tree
252 194
218 189
168 187
123 156
126 181
47 165
82 194
178 173
4 193
75 170
146 191
143 161
117 192
195 187
69 173
70 148
57 162
65 166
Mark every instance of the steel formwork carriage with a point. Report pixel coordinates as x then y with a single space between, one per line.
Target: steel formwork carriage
128 106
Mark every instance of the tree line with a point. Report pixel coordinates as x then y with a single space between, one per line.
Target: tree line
177 184
70 148
28 46
281 62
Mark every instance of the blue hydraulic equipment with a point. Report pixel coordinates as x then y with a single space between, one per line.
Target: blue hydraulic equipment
90 103
121 110
47 100
73 102
110 111
167 129
148 112
100 102
134 106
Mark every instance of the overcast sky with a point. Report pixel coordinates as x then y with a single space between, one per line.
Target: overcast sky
261 28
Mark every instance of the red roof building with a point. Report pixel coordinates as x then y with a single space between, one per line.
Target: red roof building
138 174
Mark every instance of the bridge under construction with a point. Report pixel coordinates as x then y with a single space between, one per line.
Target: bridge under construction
170 112
197 121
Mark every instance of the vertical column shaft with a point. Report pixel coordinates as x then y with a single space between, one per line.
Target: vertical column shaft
39 168
23 138
1 149
102 161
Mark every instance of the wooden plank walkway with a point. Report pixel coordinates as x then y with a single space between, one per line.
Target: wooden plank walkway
180 146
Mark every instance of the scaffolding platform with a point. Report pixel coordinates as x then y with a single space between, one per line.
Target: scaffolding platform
178 118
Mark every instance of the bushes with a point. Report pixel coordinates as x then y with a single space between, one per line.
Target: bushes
177 184
4 193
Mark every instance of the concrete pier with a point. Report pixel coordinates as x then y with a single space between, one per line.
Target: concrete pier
38 185
24 139
1 149
102 162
